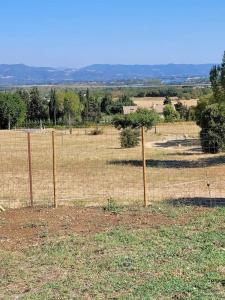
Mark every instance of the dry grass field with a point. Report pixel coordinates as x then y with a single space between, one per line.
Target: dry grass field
147 102
93 168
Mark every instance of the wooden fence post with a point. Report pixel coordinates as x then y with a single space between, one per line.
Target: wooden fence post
30 170
54 169
144 165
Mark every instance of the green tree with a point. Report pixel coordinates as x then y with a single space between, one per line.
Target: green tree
170 114
212 134
182 110
72 107
38 106
94 109
25 96
217 79
12 110
85 99
106 104
210 112
203 102
131 122
53 106
117 106
141 118
68 106
191 113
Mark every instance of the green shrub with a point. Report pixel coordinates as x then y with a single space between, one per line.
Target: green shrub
129 138
170 114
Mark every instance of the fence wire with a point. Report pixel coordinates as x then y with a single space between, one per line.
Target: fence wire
91 168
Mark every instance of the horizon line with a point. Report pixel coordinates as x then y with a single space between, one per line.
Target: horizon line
106 64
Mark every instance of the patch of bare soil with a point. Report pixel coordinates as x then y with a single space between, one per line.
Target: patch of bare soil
21 228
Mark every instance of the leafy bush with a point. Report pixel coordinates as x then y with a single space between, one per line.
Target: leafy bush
129 138
170 114
212 122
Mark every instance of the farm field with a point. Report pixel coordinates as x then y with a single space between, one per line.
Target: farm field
147 102
162 252
93 168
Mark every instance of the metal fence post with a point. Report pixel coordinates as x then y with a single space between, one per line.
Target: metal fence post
144 165
54 169
30 169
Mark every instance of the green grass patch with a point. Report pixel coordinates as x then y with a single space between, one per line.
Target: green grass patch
168 262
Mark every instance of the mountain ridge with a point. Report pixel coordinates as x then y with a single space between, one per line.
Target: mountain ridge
19 74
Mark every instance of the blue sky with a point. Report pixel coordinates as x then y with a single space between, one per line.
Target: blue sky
76 33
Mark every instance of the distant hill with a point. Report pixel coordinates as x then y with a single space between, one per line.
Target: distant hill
19 74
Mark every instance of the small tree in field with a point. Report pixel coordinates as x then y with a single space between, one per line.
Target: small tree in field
131 123
170 114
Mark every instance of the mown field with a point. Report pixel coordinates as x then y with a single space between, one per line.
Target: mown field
93 168
162 252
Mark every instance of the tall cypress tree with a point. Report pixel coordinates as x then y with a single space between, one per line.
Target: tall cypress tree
222 74
87 105
53 106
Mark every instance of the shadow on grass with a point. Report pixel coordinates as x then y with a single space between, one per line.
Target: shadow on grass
172 164
198 201
186 153
182 143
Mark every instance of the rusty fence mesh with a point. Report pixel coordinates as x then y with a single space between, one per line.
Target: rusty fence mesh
92 168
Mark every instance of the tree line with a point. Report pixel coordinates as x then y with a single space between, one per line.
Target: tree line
31 108
35 107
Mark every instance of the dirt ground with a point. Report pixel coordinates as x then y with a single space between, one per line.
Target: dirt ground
25 227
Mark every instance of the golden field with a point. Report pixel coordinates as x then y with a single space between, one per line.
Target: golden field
93 168
148 102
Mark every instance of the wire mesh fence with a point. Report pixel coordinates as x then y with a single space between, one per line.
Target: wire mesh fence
91 167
